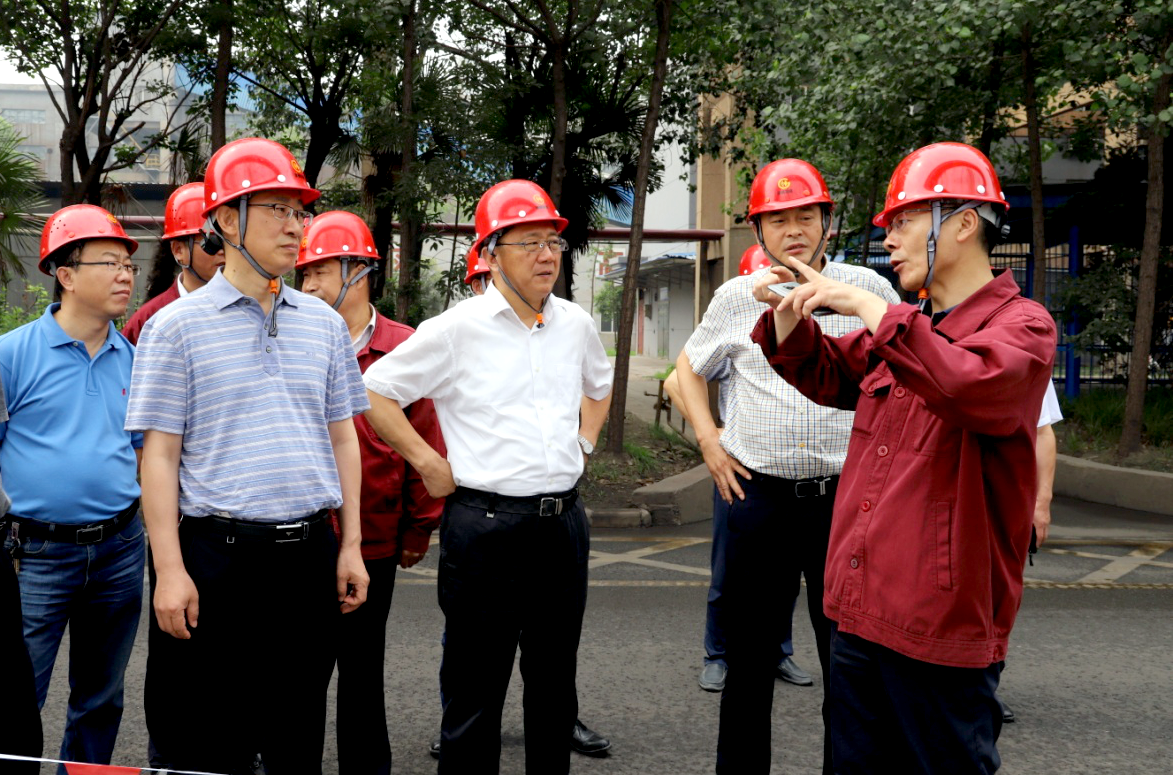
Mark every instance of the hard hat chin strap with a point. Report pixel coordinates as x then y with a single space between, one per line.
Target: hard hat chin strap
756 225
347 283
931 244
274 280
190 265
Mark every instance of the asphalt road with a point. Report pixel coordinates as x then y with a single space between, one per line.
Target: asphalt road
1089 672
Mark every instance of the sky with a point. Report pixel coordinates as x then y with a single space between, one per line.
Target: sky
8 73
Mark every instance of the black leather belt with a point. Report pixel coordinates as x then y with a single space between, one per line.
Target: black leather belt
272 532
816 487
92 533
550 505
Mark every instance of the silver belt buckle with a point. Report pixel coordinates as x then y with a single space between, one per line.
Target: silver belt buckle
305 532
81 537
555 507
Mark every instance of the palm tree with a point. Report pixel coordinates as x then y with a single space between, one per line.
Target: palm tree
20 196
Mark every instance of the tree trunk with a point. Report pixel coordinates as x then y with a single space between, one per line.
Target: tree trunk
1146 292
562 284
408 231
1034 144
990 106
866 242
618 411
325 129
219 104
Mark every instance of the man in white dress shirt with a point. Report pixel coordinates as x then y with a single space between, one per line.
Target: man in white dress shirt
521 385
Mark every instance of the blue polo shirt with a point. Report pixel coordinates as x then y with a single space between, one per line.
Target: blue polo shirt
64 454
254 410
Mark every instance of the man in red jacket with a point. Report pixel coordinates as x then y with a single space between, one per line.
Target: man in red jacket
182 245
933 514
398 515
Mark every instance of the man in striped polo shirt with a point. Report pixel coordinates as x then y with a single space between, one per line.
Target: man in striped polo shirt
246 394
775 465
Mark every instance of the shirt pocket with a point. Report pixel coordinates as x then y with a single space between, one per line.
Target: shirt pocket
873 395
930 435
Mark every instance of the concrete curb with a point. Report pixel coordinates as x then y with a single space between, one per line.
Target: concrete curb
680 499
1128 488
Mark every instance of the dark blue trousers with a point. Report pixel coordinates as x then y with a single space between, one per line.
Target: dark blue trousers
892 713
763 542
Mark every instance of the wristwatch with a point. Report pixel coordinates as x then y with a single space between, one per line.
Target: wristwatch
587 447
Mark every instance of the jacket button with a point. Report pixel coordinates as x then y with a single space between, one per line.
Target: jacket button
900 391
866 506
854 563
882 451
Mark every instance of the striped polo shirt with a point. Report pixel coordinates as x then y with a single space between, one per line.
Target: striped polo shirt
254 410
770 427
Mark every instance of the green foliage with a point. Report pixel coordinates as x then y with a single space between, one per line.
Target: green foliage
29 308
1092 421
19 196
609 300
1103 301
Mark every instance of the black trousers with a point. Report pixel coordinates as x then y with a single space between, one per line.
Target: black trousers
20 719
764 541
363 743
892 713
253 677
510 580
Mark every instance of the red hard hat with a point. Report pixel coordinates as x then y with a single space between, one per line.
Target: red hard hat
476 265
753 259
185 212
510 203
78 223
250 165
942 171
787 183
336 234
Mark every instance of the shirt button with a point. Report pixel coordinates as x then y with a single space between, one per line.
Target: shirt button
268 349
900 392
802 445
871 391
865 506
882 451
854 563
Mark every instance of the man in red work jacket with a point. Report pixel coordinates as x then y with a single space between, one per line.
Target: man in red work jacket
933 514
185 244
398 515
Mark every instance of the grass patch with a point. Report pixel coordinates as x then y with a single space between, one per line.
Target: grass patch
645 461
664 374
612 351
1093 422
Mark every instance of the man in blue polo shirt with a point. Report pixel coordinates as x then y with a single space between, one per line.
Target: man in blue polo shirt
246 393
70 470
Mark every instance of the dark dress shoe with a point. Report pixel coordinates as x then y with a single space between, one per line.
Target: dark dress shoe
713 677
1008 716
586 742
792 673
434 748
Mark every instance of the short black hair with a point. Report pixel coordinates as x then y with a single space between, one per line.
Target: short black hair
63 256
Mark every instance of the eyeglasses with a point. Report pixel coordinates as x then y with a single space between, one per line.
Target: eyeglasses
902 219
284 212
556 246
114 267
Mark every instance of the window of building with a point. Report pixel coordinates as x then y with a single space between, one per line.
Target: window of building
23 115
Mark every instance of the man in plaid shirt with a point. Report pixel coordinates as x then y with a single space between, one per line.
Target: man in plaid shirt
775 465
